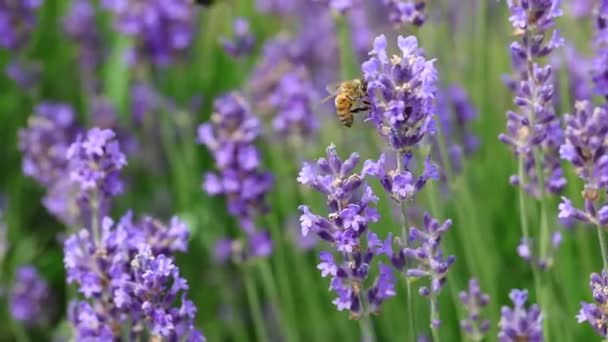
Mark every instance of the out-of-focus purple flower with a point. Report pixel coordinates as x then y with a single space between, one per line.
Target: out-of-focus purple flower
127 277
80 26
95 161
3 238
282 89
474 301
25 74
242 42
277 7
526 251
30 299
340 6
534 132
230 136
585 147
44 145
144 101
350 203
45 142
163 30
401 92
580 8
579 70
600 62
519 323
596 314
456 112
17 21
401 12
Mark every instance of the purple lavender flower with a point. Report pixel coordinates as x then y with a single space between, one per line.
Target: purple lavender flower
17 21
44 145
230 136
80 26
402 12
599 63
341 6
127 277
519 323
585 147
474 302
534 133
349 201
580 8
30 299
282 90
401 91
455 113
277 7
95 162
163 30
243 41
596 313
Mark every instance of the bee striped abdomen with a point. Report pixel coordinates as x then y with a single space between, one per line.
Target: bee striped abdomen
343 109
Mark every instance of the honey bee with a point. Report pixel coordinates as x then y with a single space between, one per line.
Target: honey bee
350 98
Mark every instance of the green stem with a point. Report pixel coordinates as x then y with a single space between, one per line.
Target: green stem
404 239
600 236
367 331
269 284
256 309
523 213
434 318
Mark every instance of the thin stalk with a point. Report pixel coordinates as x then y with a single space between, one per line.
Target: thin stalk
404 239
95 217
269 284
523 214
256 309
365 323
434 318
600 236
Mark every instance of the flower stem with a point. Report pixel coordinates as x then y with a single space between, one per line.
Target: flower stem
404 239
367 331
526 233
256 309
95 217
600 236
434 318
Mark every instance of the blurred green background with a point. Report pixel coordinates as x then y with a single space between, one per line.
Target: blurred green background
481 202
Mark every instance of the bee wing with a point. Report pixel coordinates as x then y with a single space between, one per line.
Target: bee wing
333 89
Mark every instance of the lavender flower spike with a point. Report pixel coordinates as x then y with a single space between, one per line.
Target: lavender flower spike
596 313
30 299
350 203
534 132
519 323
586 148
243 42
474 301
230 136
402 12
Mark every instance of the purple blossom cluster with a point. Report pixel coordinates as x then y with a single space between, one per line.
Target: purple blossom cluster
422 257
596 314
163 31
95 160
17 21
535 133
401 92
474 301
585 148
402 12
456 113
519 323
243 41
600 61
30 298
44 145
350 211
230 136
80 26
281 88
129 281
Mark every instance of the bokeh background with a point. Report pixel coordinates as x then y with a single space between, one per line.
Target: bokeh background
470 40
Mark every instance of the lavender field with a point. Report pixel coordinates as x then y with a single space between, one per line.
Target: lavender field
303 170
